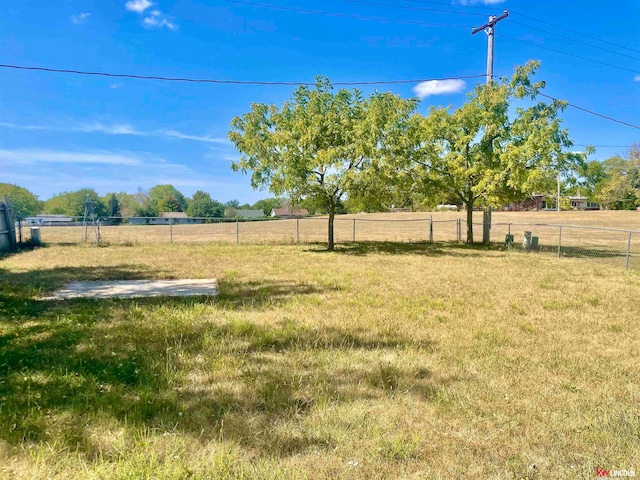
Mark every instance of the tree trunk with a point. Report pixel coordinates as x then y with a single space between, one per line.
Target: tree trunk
332 214
470 222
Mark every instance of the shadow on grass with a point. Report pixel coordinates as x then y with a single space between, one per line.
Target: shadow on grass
418 248
70 367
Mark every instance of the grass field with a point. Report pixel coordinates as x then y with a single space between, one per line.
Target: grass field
376 361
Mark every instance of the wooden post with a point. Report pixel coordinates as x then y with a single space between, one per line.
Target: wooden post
237 232
10 226
354 230
170 230
298 230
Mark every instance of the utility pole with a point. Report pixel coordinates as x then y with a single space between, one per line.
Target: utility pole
488 28
558 197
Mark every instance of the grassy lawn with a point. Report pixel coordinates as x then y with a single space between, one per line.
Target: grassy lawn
375 361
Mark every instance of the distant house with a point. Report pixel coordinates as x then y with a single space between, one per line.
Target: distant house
166 218
240 213
582 203
49 220
289 213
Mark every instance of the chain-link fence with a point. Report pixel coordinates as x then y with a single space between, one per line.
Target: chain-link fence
616 246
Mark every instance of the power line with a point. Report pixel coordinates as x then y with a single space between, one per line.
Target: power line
591 112
227 82
424 2
571 39
347 15
422 9
278 83
574 31
569 54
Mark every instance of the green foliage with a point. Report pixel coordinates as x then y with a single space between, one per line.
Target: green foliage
23 201
619 187
232 204
481 153
113 205
73 203
167 198
201 205
319 145
268 204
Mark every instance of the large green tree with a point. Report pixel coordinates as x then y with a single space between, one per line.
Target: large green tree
73 203
498 147
23 201
167 198
201 205
318 145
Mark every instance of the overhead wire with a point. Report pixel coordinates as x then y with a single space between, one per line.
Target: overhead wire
347 15
591 112
421 9
230 82
515 22
572 31
567 53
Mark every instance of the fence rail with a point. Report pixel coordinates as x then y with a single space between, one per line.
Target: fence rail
613 245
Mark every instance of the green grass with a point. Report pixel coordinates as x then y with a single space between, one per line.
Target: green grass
375 361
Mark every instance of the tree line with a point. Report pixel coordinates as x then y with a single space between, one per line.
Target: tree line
151 203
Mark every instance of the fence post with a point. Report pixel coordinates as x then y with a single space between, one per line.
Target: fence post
559 240
170 230
628 249
431 229
19 229
354 230
237 232
459 230
509 233
298 230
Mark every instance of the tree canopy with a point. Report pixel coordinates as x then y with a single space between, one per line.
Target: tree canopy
318 145
73 203
486 152
201 205
166 198
23 201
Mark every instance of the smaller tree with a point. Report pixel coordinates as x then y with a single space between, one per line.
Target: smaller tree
201 205
113 206
24 202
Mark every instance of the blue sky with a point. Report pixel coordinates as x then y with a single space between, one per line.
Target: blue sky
63 132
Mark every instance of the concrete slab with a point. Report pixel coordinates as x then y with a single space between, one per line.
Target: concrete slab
136 288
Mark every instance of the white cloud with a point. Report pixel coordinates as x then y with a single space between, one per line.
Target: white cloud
32 156
117 129
138 6
439 87
115 86
184 136
157 19
636 78
80 19
475 2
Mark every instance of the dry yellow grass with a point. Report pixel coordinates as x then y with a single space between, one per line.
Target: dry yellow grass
376 361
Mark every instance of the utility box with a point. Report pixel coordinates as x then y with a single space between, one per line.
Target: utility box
35 236
534 243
